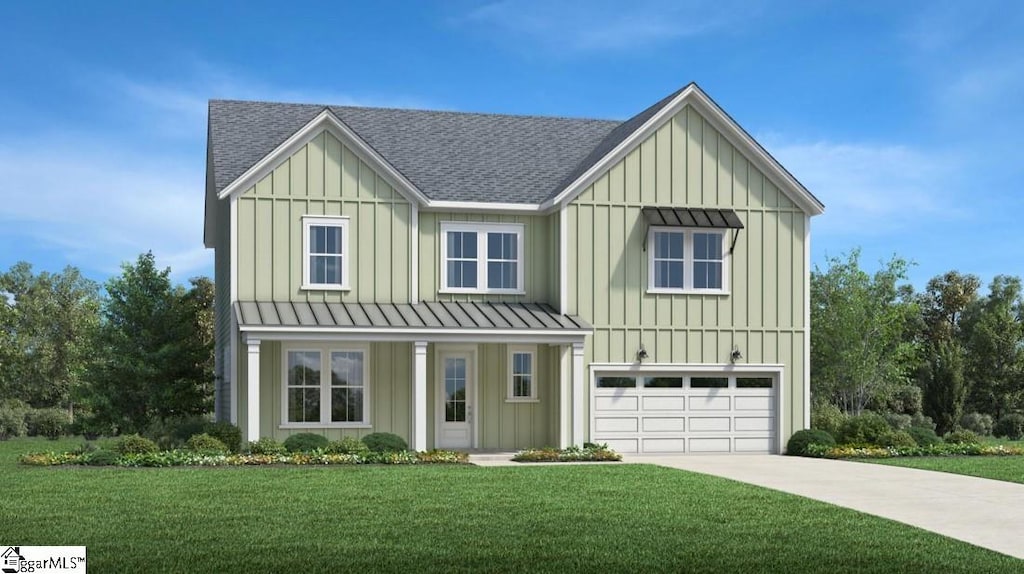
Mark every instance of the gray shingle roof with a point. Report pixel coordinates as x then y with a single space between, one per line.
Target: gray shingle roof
449 156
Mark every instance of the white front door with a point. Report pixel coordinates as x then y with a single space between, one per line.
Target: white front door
455 390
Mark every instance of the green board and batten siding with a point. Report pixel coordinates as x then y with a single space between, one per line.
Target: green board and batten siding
686 162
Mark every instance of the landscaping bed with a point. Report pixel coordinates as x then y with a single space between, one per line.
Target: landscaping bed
588 453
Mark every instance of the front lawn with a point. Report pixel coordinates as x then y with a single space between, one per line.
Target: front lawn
608 518
1010 468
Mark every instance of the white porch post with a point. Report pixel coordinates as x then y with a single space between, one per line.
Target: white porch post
565 398
577 394
419 393
252 395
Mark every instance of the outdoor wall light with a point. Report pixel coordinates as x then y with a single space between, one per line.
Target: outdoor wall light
736 354
642 353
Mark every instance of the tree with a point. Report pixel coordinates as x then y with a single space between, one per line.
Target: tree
942 377
859 352
48 323
994 339
156 361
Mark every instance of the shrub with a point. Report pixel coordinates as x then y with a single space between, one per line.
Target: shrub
85 448
797 445
226 433
924 436
1010 426
385 442
92 427
908 399
897 438
136 444
898 422
961 437
51 423
827 417
919 420
980 424
12 422
305 442
347 445
99 457
266 446
865 428
174 432
206 444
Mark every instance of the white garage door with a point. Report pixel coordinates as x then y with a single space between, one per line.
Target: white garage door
683 412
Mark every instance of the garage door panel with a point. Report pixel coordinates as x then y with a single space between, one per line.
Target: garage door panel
619 403
664 403
616 424
626 445
713 403
755 423
652 445
709 444
754 403
664 424
709 424
749 444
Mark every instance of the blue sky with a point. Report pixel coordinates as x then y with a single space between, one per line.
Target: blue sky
905 118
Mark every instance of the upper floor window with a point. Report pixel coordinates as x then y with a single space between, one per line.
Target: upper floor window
482 257
325 252
686 260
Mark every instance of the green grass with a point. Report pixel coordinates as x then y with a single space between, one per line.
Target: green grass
1008 468
602 518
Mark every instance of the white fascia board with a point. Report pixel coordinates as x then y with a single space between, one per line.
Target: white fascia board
325 121
688 367
568 335
739 138
479 206
426 335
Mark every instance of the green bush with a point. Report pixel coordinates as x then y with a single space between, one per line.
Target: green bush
897 438
206 444
385 442
100 457
91 427
978 423
865 428
226 433
51 423
305 442
12 422
924 436
347 445
962 436
1010 426
907 399
898 422
174 432
266 446
797 445
136 444
919 420
827 417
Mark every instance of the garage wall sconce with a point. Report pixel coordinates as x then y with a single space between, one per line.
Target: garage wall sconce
736 355
641 354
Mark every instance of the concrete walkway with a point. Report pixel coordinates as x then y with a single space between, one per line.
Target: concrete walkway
983 512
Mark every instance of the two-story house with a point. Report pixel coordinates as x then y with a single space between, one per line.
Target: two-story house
479 281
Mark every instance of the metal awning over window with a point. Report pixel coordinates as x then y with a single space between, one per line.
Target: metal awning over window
692 217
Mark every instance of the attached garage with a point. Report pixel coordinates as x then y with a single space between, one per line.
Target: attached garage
676 409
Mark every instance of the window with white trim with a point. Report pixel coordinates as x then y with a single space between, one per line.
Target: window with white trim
325 387
482 257
325 252
522 385
686 261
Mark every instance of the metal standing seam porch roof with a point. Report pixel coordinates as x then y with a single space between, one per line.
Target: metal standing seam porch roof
425 317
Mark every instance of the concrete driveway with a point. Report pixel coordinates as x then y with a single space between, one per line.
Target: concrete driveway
983 512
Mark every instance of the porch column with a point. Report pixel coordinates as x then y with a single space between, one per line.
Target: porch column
252 395
577 394
565 397
419 393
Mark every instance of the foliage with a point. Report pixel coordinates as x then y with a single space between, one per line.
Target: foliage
865 428
385 442
994 338
797 445
897 438
52 423
826 416
206 444
12 422
907 399
135 444
961 437
898 422
267 446
1010 426
978 423
305 442
226 433
589 452
154 360
955 449
174 432
942 377
99 457
923 421
442 457
924 436
859 352
347 445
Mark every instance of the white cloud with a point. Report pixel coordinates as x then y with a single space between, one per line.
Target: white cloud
589 26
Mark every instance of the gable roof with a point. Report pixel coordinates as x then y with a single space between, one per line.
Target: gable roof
446 158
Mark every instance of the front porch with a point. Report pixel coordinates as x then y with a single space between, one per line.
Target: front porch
511 379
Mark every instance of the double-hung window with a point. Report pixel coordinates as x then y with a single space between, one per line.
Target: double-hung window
325 252
522 385
325 387
482 257
686 261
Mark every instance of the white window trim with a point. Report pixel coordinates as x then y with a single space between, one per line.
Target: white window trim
340 221
510 394
325 386
688 261
482 229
